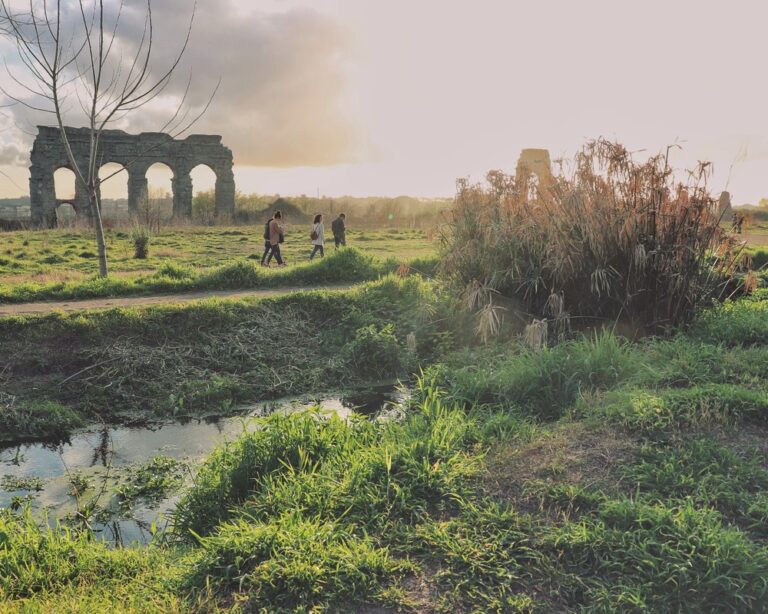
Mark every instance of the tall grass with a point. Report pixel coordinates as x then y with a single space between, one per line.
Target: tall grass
612 239
540 383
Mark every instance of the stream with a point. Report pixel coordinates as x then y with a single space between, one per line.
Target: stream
43 474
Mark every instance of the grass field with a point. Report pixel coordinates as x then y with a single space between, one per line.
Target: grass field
70 255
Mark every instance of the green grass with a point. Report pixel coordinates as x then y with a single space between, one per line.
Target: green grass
54 566
22 419
69 255
597 475
346 266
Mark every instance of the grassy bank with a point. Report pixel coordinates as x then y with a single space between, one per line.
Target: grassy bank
175 361
597 475
344 266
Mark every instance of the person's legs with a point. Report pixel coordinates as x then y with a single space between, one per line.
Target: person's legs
322 251
267 256
315 249
336 241
276 254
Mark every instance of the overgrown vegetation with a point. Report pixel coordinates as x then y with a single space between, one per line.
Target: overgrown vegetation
208 358
614 239
484 497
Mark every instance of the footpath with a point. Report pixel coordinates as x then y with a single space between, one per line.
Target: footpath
146 301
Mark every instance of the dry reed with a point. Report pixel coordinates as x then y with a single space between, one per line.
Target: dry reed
610 239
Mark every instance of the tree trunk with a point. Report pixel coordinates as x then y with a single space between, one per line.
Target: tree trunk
100 244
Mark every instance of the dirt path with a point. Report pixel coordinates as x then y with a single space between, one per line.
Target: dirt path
144 301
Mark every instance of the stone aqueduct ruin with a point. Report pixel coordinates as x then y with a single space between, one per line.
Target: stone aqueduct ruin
136 153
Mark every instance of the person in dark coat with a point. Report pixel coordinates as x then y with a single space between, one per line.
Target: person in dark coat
339 229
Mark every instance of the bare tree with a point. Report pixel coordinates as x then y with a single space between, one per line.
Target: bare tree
73 51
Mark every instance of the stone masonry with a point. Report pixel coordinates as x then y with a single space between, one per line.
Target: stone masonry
136 153
534 162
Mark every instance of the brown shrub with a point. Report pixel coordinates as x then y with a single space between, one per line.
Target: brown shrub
611 239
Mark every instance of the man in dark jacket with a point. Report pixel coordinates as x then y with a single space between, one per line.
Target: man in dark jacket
267 257
339 230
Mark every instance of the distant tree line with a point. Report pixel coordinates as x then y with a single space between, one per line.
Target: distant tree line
363 212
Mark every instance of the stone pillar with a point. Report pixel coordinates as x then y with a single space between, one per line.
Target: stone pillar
724 208
182 194
534 162
225 193
82 203
42 195
138 188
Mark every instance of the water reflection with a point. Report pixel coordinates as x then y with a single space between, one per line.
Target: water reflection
98 455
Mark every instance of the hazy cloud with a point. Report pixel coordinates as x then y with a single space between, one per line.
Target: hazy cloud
12 155
283 81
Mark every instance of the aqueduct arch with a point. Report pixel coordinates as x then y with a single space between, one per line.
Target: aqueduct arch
136 153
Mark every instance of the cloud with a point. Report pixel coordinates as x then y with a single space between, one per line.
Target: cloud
284 81
12 155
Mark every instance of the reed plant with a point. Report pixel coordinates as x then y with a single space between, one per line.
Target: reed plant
609 238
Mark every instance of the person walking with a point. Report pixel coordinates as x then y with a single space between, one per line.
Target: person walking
318 236
276 234
267 256
339 229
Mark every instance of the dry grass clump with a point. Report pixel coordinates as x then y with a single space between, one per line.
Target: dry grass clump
610 239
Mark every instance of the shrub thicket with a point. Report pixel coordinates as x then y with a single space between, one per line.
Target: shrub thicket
614 239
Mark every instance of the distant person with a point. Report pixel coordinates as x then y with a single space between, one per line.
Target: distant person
339 229
267 256
276 236
317 236
738 222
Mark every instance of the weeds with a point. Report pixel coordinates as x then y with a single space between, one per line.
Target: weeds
541 383
11 483
638 557
152 481
671 410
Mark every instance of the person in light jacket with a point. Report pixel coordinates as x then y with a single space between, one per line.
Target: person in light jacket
318 236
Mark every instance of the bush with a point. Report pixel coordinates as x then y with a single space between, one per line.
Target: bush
140 239
374 351
615 239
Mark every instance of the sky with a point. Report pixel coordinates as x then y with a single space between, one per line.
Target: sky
366 97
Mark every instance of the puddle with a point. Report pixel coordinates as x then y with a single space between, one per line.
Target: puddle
102 457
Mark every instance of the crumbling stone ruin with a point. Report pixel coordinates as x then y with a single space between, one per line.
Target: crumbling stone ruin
724 207
534 163
136 153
